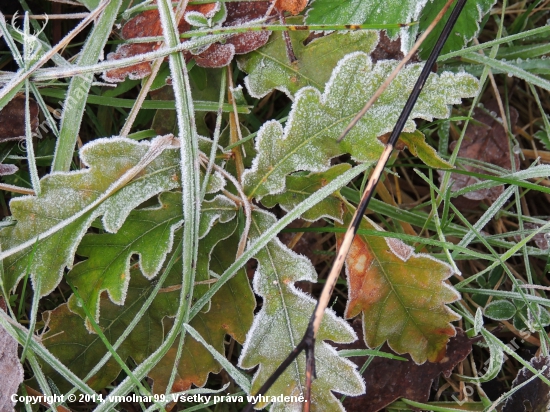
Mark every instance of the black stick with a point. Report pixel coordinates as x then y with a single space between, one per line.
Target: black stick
308 341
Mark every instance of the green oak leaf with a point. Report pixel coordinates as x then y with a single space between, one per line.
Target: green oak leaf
417 145
148 233
220 208
74 200
368 12
268 67
464 30
205 259
281 323
231 312
316 120
300 187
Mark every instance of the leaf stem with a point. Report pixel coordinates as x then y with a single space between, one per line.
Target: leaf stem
79 88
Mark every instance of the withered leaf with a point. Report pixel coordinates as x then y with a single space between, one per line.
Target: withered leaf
148 24
402 295
7 169
485 140
292 6
12 118
12 371
388 380
388 49
241 12
535 396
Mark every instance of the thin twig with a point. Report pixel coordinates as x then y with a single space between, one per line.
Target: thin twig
395 71
16 189
244 200
51 16
308 341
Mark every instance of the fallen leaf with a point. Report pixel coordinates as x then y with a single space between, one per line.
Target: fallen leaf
12 119
148 24
388 49
292 6
486 141
7 169
540 238
388 379
12 371
242 12
401 294
534 396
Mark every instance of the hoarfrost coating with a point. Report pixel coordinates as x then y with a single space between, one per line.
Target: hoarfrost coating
308 141
280 324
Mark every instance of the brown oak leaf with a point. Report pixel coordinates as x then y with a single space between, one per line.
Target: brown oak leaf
485 140
534 396
147 24
292 6
12 118
387 380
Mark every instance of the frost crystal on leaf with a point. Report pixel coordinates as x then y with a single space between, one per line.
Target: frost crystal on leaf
369 12
220 208
281 323
308 141
148 233
268 66
70 201
465 29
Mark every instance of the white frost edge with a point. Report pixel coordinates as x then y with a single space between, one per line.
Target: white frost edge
306 297
97 204
449 274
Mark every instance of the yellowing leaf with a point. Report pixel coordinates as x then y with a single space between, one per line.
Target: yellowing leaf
401 295
281 323
316 120
417 145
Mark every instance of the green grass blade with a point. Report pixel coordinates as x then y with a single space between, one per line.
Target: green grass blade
79 88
